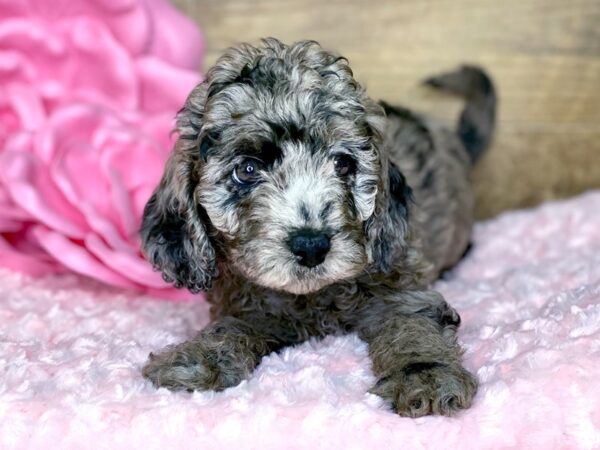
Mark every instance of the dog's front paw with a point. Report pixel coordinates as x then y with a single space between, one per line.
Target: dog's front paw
193 366
424 388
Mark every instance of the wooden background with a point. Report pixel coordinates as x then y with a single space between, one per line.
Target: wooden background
543 54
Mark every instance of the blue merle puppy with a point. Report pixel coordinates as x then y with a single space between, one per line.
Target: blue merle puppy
304 208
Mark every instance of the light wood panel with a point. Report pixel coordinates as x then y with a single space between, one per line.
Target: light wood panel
543 54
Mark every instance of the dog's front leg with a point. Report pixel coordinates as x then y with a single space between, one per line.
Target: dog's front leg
220 356
412 342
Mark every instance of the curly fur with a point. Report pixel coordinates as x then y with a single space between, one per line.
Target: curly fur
403 215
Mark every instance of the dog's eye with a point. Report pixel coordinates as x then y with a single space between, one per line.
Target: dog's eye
344 165
247 172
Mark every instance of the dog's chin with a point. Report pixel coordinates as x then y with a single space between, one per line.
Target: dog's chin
303 281
305 286
293 282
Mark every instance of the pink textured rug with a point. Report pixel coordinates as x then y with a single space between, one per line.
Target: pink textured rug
529 292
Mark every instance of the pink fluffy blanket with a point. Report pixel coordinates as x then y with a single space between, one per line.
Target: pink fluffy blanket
71 353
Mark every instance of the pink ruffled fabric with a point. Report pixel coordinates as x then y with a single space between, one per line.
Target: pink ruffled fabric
88 94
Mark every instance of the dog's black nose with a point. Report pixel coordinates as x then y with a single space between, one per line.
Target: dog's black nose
310 246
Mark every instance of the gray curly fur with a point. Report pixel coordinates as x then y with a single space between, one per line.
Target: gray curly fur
402 216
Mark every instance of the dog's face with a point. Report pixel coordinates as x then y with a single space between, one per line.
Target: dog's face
290 177
279 167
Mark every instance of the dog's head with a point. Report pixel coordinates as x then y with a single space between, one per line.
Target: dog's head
278 172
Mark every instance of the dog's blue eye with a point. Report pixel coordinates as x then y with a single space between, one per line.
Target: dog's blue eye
344 165
247 172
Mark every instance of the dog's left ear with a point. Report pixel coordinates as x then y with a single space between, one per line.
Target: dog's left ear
386 229
174 229
176 232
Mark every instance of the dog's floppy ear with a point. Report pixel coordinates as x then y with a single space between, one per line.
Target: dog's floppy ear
174 231
386 229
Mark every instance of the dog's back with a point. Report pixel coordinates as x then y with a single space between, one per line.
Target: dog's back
437 163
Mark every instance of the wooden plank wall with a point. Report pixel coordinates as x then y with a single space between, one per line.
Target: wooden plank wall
543 54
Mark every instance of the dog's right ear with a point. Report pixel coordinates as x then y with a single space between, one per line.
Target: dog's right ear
175 228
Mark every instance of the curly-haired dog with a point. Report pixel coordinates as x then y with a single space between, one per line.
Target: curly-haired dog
289 199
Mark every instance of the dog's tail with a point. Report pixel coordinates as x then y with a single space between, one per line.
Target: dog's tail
476 123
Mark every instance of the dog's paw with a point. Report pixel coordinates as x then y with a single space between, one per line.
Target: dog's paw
424 388
192 366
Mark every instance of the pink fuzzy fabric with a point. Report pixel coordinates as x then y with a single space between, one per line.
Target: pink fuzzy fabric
71 353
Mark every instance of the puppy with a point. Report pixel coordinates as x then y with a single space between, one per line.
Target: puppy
304 208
